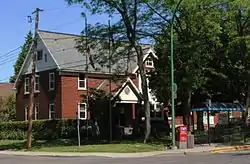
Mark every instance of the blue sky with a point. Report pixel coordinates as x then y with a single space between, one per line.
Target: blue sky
57 16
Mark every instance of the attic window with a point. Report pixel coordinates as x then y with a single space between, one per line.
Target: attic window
39 55
149 63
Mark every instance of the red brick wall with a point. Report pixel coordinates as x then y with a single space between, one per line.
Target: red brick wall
71 96
43 98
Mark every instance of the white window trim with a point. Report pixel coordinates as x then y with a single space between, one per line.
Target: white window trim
37 91
37 56
36 112
85 83
50 112
25 85
79 111
52 89
26 113
149 66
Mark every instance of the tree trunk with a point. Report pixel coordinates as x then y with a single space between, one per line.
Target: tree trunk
187 106
148 121
144 85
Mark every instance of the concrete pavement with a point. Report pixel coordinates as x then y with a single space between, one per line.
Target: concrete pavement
221 158
111 155
198 149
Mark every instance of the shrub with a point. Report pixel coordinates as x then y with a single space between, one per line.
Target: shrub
42 130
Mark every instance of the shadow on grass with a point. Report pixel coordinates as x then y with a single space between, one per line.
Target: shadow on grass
36 145
21 145
13 146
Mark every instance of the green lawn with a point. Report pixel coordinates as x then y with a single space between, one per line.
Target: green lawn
59 147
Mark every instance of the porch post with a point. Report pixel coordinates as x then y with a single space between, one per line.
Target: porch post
133 111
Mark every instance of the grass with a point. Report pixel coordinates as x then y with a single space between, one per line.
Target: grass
70 147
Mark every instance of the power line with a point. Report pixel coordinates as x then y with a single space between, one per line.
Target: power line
61 8
9 56
10 52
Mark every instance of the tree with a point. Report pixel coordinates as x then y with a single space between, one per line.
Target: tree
21 56
8 108
126 32
237 28
197 32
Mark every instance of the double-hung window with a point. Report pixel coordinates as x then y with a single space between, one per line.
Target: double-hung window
51 81
82 111
39 55
52 111
37 83
81 82
27 85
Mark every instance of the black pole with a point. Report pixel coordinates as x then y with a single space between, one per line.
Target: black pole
208 119
208 126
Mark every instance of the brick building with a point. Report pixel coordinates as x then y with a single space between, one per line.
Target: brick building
61 81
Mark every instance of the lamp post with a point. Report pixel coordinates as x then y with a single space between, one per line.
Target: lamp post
173 85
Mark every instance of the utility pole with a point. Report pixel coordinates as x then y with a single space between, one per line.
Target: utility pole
110 94
32 84
173 85
87 71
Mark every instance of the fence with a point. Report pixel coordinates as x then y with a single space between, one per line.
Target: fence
228 135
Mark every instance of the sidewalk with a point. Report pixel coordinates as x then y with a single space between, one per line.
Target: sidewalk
198 149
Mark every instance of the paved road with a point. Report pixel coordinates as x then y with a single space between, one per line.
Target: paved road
225 158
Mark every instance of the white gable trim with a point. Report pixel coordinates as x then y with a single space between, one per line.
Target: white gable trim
145 57
28 55
49 51
123 85
24 62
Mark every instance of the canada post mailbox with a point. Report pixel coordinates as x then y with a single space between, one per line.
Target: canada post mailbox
181 139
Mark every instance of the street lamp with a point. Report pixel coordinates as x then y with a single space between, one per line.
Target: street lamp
173 85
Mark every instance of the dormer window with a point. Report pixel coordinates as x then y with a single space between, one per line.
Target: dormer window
39 55
149 63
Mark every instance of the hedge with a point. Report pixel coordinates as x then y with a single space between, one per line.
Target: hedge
42 130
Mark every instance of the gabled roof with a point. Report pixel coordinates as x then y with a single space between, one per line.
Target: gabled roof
63 49
118 86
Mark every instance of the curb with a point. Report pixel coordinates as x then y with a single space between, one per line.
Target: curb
230 148
109 155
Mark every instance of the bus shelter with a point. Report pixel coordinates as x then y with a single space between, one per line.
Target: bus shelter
213 107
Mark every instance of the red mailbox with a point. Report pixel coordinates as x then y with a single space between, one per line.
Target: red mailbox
182 134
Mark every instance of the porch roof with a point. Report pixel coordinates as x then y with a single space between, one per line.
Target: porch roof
118 86
220 107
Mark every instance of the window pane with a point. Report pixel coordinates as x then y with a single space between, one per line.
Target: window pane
39 55
81 77
82 84
51 85
82 107
82 115
52 115
52 108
